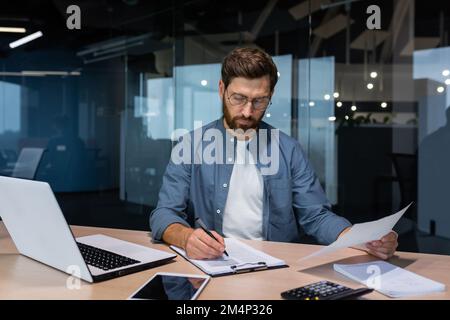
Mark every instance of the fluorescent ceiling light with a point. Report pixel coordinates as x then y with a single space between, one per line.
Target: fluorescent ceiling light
26 39
39 73
13 30
33 73
44 73
51 73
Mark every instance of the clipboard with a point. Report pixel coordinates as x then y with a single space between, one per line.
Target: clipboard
236 263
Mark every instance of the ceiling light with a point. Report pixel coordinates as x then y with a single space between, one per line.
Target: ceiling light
446 73
339 104
346 118
447 82
370 86
384 105
13 30
26 39
373 74
353 108
204 82
312 104
327 97
440 89
331 118
336 94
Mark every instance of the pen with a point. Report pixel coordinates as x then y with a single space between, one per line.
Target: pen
203 226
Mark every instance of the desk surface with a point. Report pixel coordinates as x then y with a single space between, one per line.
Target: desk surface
23 278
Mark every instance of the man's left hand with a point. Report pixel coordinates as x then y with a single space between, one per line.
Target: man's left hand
385 247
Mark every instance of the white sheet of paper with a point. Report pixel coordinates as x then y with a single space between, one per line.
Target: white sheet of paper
361 233
389 279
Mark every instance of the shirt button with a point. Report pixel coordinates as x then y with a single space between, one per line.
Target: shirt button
225 185
218 211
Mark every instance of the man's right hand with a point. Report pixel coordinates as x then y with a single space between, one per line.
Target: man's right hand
200 245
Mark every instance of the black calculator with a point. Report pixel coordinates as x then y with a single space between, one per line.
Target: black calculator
324 290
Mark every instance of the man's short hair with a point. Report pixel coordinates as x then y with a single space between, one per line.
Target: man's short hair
249 63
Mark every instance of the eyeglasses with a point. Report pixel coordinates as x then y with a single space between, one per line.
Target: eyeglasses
239 100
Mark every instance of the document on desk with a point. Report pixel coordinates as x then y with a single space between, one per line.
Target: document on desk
242 258
389 279
361 233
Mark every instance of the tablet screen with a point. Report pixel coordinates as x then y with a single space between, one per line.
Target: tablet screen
170 287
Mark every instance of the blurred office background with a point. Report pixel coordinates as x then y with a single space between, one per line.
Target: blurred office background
91 111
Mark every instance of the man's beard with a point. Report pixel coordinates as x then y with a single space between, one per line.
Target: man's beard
251 122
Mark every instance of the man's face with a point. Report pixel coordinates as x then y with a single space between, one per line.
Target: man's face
244 116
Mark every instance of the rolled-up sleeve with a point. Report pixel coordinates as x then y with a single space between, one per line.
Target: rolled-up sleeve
172 201
311 206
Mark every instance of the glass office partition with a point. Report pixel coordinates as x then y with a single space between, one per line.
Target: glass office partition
92 111
197 95
316 95
432 72
146 130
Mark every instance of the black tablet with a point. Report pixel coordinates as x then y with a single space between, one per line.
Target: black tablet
171 286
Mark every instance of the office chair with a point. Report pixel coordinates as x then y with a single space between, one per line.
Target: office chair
405 174
405 167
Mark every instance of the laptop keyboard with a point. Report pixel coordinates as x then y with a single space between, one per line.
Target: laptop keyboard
104 259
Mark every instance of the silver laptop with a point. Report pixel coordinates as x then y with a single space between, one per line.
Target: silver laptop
39 230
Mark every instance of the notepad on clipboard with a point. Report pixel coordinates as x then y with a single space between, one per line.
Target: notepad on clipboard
242 258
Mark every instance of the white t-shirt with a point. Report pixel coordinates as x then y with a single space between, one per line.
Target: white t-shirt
243 212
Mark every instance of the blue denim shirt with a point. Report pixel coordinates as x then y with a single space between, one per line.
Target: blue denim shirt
293 200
